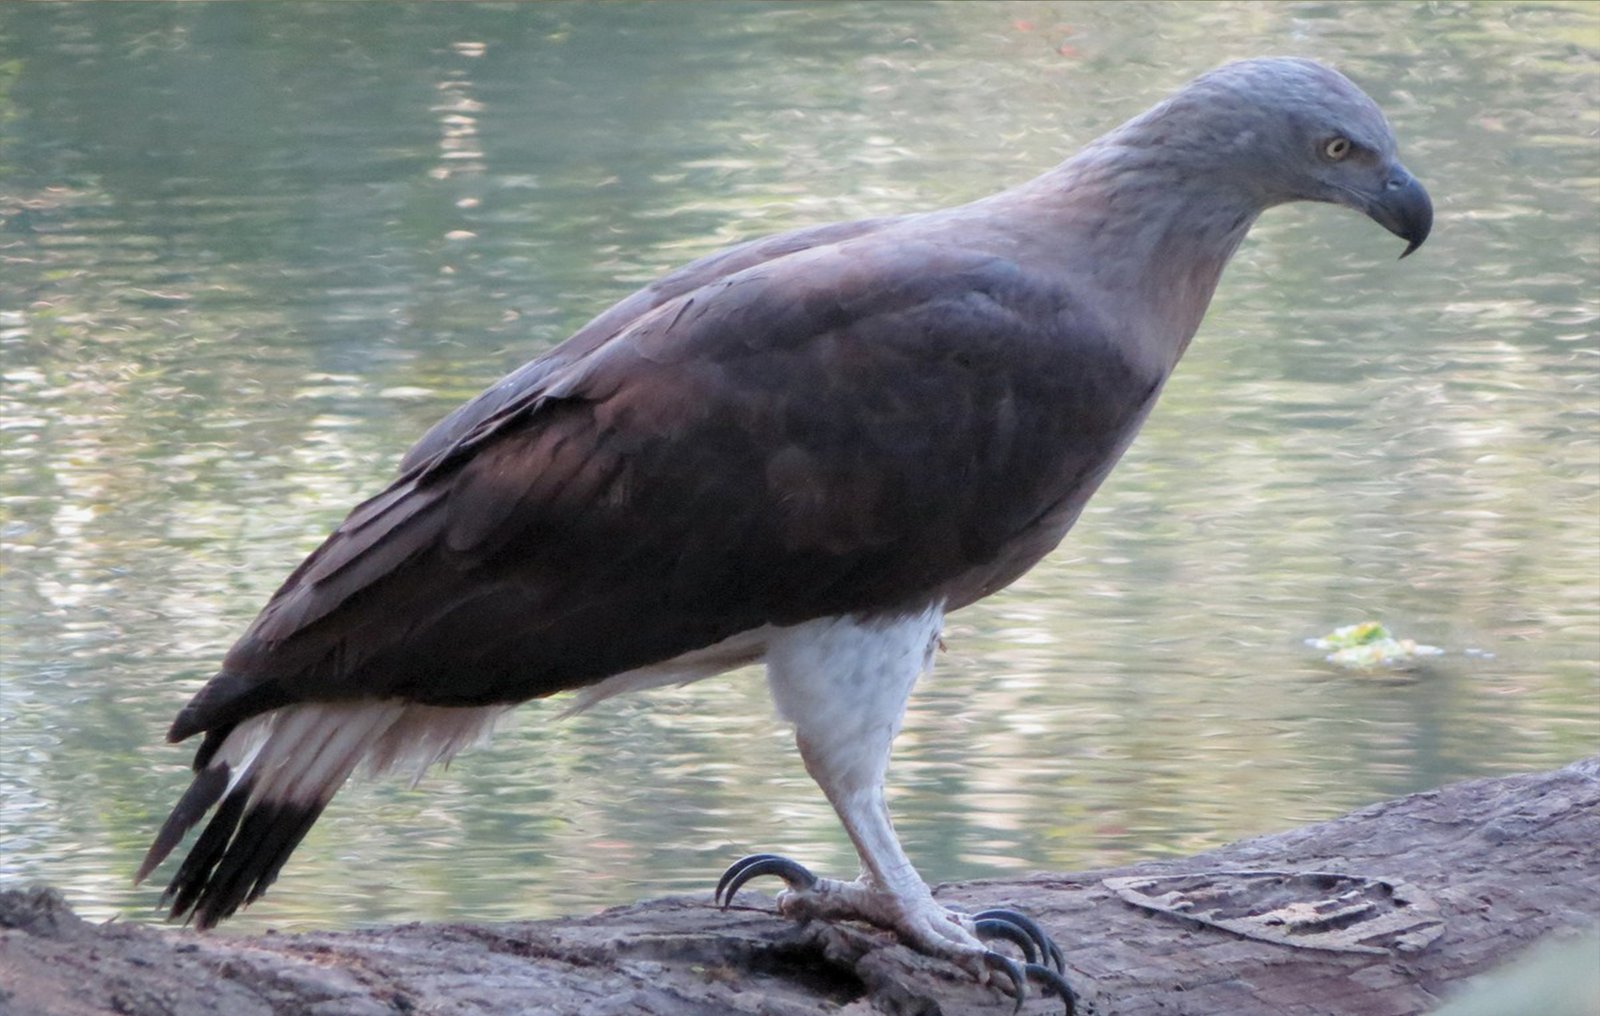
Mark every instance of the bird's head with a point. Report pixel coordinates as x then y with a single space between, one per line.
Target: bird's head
1295 130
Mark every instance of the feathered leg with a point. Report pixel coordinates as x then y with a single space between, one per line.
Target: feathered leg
843 683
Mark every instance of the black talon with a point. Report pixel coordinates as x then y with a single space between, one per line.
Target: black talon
1041 938
1016 928
732 871
1008 966
1055 982
756 865
999 927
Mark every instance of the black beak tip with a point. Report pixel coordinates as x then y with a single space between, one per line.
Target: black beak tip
1407 212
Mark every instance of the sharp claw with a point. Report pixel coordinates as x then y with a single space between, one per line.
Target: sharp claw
756 865
1014 927
1041 938
1013 971
1056 983
999 927
733 870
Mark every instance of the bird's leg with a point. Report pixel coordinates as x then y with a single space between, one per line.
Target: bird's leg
888 892
844 685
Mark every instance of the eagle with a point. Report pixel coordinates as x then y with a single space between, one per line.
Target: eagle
803 451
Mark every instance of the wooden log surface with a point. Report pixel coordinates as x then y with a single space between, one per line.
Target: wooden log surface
1466 876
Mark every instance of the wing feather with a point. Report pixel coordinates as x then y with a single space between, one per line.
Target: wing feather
854 427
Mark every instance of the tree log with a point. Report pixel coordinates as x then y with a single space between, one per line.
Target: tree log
1408 898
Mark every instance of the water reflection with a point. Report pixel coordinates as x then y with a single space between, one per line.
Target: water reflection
243 263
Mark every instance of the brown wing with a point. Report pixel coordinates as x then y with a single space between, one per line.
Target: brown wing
531 376
855 428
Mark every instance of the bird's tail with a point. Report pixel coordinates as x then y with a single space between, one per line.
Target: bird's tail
273 775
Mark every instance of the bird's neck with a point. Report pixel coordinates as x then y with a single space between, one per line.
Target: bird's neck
1148 235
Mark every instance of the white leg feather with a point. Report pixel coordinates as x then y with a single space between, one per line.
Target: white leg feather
843 683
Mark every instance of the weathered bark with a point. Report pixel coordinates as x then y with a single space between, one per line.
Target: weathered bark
1504 861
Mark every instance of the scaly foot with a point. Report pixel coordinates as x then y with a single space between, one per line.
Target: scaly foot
919 922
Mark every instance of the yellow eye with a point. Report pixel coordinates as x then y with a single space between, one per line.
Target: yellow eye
1337 148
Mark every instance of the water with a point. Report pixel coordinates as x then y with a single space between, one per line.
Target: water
249 252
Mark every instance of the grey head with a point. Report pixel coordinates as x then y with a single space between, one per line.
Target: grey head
1287 129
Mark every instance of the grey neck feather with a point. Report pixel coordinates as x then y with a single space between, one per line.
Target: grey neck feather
1147 223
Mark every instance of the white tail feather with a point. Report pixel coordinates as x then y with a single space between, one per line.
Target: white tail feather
303 754
340 743
424 735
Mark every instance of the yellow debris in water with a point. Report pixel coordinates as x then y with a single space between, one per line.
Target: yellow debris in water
1368 646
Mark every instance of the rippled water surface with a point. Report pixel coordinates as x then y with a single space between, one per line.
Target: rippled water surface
249 251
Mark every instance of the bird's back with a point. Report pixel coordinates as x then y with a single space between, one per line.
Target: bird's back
845 420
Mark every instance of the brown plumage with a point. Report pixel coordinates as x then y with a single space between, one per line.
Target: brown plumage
718 467
871 422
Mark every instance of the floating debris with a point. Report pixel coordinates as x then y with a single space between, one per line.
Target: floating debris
1369 645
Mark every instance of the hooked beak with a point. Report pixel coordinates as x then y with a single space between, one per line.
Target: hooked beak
1402 207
